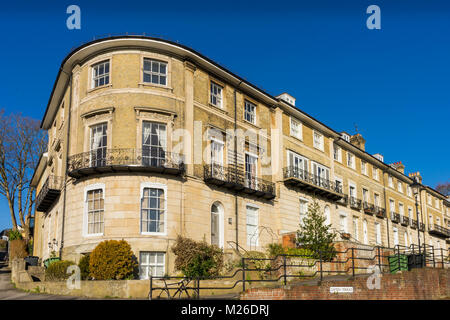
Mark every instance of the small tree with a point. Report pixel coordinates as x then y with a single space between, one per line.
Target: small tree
444 188
315 235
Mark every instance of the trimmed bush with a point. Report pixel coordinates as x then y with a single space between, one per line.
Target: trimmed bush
84 266
57 271
112 260
197 259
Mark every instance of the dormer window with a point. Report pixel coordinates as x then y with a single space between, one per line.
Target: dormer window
100 74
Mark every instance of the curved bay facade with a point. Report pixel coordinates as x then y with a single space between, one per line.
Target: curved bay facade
149 140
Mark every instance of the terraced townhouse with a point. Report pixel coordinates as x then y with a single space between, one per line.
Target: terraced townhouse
149 139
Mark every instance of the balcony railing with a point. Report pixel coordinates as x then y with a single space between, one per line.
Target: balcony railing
413 224
125 160
438 230
237 179
343 200
422 226
395 217
49 192
355 203
313 183
404 220
368 208
380 212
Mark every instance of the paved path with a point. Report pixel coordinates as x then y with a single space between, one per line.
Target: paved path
8 292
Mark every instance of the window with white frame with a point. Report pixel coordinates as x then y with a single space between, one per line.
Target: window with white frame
151 263
339 184
216 95
410 212
99 144
153 210
303 210
401 209
405 238
377 232
355 228
400 187
436 203
327 213
409 191
297 164
318 140
251 170
343 223
296 129
337 153
100 74
376 199
365 232
350 160
250 112
95 211
391 205
364 167
429 199
154 143
252 226
321 173
365 194
217 153
375 173
391 182
395 231
155 72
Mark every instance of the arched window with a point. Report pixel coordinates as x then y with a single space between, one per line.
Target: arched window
217 224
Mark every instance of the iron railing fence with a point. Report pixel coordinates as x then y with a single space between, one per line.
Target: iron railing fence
304 175
355 203
283 267
146 157
52 183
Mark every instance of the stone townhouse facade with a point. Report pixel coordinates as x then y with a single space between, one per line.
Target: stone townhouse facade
149 139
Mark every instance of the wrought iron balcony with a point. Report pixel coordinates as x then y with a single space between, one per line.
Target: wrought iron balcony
343 200
413 224
48 194
125 160
310 182
380 212
237 179
404 220
422 227
355 203
438 230
368 208
395 217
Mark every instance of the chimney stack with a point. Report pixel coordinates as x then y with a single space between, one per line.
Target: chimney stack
358 141
399 166
417 175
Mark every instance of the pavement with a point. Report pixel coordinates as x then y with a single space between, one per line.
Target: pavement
9 292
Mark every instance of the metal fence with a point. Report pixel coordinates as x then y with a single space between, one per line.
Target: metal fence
315 266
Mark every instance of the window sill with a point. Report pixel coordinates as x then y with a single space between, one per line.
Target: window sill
109 85
154 85
297 138
217 108
153 233
252 124
93 235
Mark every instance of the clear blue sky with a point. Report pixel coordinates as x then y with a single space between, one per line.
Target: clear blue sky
392 83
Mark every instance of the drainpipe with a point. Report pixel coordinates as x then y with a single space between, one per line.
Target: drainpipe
66 163
236 210
386 206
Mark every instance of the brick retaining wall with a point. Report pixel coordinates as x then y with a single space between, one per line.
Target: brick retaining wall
418 284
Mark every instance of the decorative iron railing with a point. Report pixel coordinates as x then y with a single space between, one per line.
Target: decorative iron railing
147 157
404 220
380 212
395 217
368 208
422 226
296 172
355 203
48 193
437 229
235 177
343 200
413 224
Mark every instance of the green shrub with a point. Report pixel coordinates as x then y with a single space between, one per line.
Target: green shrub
275 249
197 259
57 271
30 247
84 266
112 260
15 235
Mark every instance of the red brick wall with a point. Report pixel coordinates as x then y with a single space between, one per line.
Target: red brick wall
427 283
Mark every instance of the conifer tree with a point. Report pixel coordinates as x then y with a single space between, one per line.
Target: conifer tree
315 235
